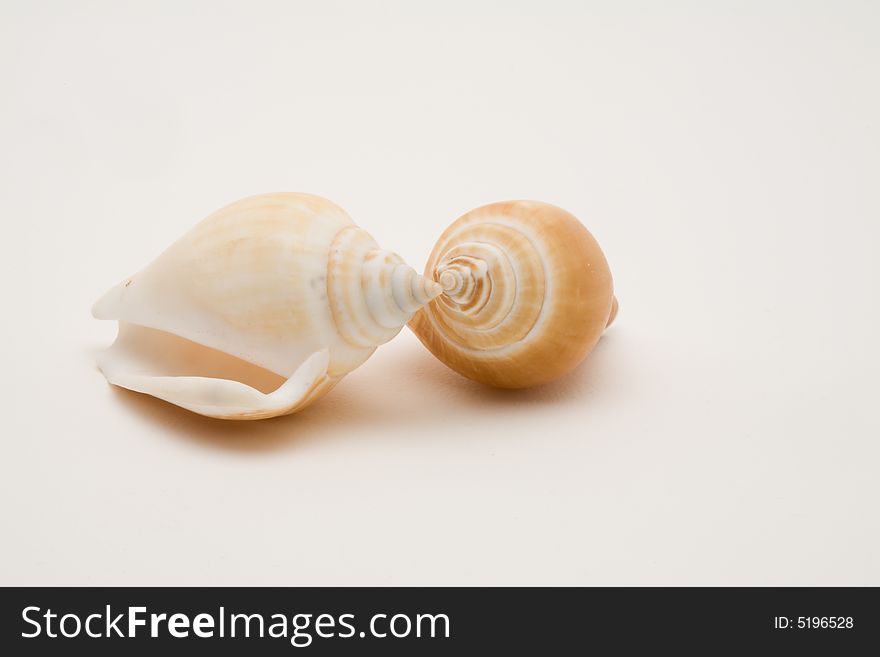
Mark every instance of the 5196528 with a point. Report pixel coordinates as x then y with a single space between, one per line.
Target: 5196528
813 622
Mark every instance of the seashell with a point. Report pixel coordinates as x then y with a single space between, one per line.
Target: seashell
527 293
259 310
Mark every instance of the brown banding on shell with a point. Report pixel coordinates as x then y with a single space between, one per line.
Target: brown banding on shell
527 294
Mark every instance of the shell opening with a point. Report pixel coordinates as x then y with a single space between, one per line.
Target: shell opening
208 381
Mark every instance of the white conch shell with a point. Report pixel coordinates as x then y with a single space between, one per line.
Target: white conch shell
259 310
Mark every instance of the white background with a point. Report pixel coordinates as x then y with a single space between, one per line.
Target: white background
726 156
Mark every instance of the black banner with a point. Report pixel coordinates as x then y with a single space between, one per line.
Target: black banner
418 621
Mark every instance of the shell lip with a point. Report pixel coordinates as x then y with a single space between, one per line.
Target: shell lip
209 383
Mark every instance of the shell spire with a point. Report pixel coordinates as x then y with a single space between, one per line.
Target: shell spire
373 292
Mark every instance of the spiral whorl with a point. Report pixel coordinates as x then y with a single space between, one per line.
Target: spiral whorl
526 294
372 292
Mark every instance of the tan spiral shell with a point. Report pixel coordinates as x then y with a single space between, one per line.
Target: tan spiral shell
527 294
